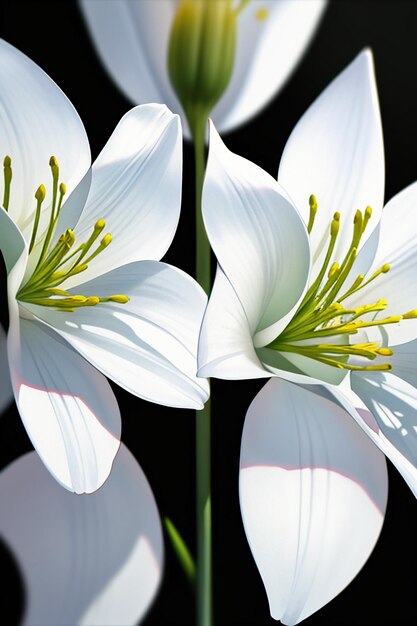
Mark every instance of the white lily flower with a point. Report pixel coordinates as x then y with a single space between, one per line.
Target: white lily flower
79 301
318 292
132 38
92 561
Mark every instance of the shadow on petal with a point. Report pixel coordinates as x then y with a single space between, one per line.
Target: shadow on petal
313 492
92 560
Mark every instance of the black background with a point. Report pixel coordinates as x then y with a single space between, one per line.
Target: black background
162 439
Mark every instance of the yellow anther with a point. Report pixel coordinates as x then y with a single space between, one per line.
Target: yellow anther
58 292
121 299
76 270
335 225
366 217
69 237
410 315
261 14
358 217
107 239
384 367
100 224
332 271
40 193
92 301
53 164
77 298
384 352
62 189
385 268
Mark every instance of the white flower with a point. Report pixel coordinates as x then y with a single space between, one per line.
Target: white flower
313 486
133 318
93 561
132 40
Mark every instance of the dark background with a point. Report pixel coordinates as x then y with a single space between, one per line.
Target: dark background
162 439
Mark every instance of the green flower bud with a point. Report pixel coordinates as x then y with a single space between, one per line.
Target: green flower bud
201 54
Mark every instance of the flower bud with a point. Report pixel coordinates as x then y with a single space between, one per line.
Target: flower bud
201 54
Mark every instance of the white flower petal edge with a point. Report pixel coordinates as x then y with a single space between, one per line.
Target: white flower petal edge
67 407
136 189
398 247
313 492
149 345
336 152
6 391
272 36
131 39
112 540
258 237
386 408
35 128
226 347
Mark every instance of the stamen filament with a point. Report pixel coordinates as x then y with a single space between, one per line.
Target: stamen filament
40 197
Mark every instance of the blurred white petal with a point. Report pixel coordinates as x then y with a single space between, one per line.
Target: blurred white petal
85 560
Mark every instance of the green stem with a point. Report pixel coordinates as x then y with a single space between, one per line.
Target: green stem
203 434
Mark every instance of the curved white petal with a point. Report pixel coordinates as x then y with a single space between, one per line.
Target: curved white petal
91 561
14 251
225 348
6 391
386 407
67 407
398 247
37 121
336 152
313 491
131 38
271 38
149 345
136 189
258 237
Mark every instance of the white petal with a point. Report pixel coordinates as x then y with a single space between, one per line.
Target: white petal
67 407
313 491
6 391
14 251
387 410
131 39
91 561
267 52
398 247
149 345
336 152
225 348
257 235
37 121
136 189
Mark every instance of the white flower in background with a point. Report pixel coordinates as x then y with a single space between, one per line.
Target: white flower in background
321 293
95 561
79 297
132 38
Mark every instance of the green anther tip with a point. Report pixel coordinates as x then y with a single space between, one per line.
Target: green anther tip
40 193
313 202
53 162
358 217
62 189
335 225
7 162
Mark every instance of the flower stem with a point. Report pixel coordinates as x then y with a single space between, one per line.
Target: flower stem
203 435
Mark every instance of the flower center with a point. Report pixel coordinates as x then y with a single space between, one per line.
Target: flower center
64 259
321 315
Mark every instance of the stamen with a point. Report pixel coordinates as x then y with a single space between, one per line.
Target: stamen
321 315
7 173
40 197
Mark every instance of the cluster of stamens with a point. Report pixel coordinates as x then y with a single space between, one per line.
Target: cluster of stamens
56 263
322 315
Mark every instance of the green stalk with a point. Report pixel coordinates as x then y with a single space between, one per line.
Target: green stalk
203 434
